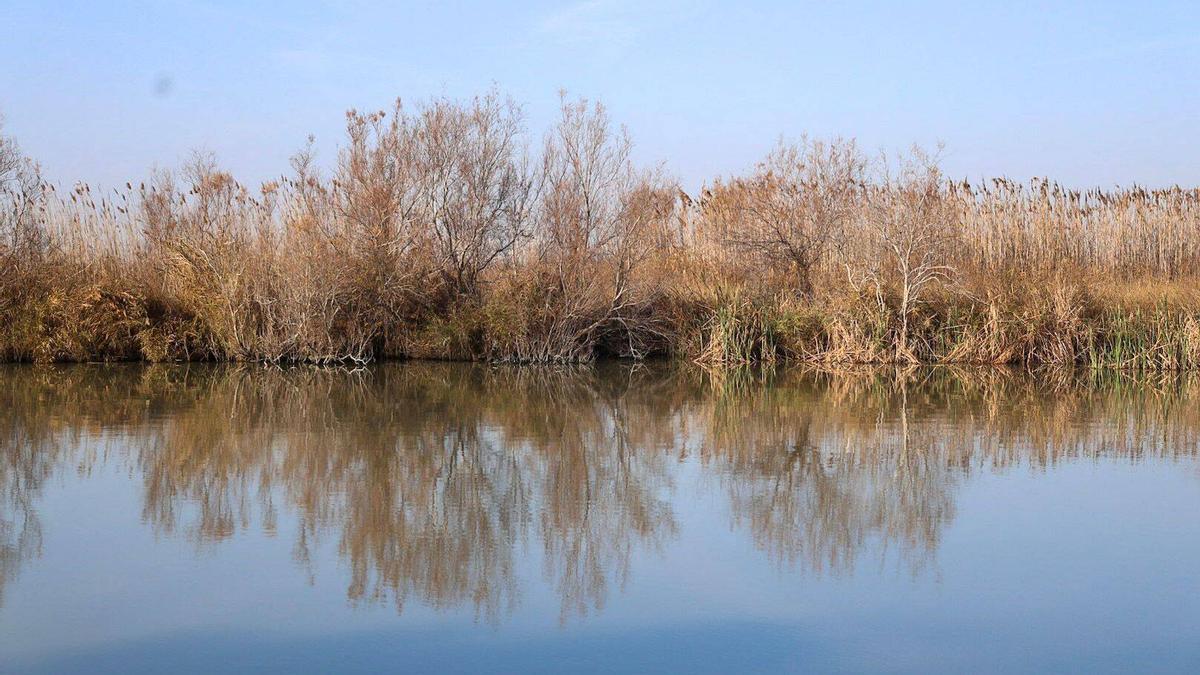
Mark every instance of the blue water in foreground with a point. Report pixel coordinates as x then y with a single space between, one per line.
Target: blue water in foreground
455 518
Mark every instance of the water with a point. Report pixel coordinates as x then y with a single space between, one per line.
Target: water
458 518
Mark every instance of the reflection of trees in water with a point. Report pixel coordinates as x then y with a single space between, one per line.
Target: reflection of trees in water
818 465
431 477
413 493
37 438
597 507
25 464
817 470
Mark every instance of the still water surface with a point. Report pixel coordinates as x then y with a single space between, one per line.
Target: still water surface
458 518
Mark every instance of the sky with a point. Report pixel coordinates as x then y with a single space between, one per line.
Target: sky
1088 93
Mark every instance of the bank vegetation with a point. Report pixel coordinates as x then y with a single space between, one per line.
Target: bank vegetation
444 231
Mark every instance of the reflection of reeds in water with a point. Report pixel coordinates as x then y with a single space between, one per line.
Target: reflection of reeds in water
819 464
21 477
430 477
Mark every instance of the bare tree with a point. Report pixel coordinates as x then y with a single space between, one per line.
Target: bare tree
20 193
474 182
376 236
796 205
23 239
598 221
912 225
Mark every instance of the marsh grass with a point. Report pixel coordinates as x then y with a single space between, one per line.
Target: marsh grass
441 231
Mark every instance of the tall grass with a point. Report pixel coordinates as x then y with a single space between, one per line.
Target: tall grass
443 231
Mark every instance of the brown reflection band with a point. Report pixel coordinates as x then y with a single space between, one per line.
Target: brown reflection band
429 476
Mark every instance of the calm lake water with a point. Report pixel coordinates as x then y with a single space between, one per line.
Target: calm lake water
459 518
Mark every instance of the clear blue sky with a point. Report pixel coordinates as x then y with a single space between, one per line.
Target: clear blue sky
1092 93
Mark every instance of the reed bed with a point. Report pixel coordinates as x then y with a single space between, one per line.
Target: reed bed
443 231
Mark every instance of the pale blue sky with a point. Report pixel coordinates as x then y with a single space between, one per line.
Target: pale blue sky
1092 93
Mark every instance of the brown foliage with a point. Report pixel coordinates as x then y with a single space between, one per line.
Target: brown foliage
439 233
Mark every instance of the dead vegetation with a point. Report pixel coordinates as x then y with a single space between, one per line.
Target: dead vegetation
442 231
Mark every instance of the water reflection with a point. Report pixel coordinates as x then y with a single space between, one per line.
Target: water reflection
433 479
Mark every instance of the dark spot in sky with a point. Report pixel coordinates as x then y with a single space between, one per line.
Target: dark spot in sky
163 85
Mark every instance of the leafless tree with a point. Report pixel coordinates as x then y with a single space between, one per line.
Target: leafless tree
797 204
23 239
475 185
912 226
20 193
598 218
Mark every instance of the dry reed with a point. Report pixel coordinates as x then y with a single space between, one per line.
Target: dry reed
442 232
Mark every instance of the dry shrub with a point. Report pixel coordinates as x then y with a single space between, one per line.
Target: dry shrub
782 221
24 248
441 232
584 282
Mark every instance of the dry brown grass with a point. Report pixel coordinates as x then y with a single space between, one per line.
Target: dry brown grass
442 232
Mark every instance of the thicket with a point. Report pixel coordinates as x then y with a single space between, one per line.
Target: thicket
442 231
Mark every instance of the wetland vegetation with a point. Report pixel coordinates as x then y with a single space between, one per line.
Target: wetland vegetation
442 230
